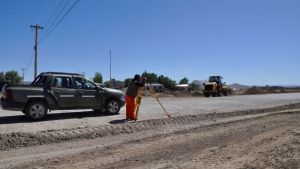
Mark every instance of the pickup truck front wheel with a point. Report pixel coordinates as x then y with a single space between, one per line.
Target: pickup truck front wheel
112 106
36 110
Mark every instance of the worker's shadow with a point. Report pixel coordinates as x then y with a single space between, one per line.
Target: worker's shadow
118 121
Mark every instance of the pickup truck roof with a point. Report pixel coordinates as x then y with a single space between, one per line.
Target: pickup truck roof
60 73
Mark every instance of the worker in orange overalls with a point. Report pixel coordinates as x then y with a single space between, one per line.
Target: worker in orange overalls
131 94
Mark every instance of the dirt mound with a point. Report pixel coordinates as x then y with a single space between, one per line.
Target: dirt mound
254 90
264 90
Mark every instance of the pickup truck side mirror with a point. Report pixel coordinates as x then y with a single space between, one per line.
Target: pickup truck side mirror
99 88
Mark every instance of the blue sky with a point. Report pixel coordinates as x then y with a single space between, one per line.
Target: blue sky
254 42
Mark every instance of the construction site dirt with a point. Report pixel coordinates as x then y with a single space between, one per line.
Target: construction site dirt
261 131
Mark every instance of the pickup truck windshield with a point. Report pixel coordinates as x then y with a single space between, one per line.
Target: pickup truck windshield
39 81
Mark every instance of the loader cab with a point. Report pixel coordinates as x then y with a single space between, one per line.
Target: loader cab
217 79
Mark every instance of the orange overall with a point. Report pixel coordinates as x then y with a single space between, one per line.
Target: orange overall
130 108
133 97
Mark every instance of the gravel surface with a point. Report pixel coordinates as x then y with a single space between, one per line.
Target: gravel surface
257 131
26 139
15 121
263 141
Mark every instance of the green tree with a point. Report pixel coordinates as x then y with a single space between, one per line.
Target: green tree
184 81
2 77
98 78
12 77
167 82
151 77
127 81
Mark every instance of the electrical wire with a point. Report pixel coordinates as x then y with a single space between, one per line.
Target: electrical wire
59 21
45 11
56 14
56 19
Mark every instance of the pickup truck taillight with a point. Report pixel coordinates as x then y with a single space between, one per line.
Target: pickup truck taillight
7 94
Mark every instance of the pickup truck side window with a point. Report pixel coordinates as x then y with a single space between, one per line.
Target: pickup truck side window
40 81
62 82
82 83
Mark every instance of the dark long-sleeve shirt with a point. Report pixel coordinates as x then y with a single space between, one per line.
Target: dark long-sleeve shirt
133 87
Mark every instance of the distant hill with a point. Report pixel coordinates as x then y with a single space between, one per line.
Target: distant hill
239 86
290 86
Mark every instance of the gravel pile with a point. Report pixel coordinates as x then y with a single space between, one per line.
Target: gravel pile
21 139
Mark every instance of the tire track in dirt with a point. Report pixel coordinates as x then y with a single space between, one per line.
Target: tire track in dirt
231 145
20 139
284 152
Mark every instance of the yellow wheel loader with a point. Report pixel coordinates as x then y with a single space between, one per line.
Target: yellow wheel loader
215 87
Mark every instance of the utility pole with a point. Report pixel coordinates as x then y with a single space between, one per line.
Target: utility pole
112 83
110 80
110 65
23 70
36 27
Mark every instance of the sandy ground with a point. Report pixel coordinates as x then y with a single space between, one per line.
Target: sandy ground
15 121
229 132
270 140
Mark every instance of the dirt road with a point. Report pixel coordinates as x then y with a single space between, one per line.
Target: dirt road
14 121
253 140
229 132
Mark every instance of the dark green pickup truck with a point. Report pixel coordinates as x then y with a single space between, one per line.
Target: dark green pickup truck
57 91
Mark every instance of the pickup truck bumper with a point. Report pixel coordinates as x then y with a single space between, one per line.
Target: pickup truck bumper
10 105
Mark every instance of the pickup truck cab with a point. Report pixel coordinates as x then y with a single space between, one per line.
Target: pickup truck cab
60 91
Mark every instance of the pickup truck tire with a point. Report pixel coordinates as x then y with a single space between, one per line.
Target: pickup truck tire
36 110
112 106
207 94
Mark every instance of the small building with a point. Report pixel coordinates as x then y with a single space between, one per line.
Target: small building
118 84
182 87
155 86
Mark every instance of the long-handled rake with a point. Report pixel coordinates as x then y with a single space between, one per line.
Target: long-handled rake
153 94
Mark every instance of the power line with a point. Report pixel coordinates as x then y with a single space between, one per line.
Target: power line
45 11
56 14
30 61
56 19
60 20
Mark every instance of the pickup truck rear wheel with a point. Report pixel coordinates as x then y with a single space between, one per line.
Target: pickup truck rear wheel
112 106
36 110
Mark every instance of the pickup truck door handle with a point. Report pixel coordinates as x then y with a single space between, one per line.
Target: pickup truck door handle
80 92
